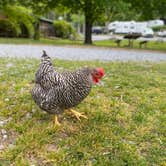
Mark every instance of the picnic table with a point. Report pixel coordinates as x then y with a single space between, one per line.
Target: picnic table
143 42
131 37
116 39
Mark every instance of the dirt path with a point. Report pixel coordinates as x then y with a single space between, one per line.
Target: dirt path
81 53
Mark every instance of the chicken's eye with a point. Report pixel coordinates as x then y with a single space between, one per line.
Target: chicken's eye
96 74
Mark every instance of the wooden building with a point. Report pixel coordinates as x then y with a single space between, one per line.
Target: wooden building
46 27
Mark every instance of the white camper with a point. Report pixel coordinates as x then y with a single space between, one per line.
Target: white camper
112 25
155 23
125 27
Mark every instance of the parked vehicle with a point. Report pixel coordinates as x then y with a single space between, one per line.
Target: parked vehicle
147 32
127 27
161 33
112 26
97 30
155 23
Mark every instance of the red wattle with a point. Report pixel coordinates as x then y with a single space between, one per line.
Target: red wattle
95 80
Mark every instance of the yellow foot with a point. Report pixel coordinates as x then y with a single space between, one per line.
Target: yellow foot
78 114
56 122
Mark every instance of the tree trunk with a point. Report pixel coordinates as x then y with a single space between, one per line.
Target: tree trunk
37 31
88 31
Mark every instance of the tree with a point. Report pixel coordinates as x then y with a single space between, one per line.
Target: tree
6 2
97 10
120 10
92 10
150 9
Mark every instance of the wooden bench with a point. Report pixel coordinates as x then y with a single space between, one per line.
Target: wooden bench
118 41
144 42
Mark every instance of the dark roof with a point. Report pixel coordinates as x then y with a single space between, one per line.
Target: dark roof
46 20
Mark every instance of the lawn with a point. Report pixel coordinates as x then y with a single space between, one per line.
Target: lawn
160 46
151 45
125 126
41 41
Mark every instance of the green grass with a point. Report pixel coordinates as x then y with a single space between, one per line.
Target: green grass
160 46
151 45
41 41
126 124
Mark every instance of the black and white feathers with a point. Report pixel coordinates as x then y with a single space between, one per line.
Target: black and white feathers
54 92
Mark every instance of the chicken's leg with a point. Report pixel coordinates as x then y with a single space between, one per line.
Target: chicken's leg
56 122
78 114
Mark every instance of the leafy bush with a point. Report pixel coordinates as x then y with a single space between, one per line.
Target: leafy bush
7 28
64 29
21 19
159 28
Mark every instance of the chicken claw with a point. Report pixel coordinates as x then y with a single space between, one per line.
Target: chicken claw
78 114
56 122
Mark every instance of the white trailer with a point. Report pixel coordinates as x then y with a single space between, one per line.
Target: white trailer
154 23
126 27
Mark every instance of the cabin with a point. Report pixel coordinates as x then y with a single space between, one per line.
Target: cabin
46 27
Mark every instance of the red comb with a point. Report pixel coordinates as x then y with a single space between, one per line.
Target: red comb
101 70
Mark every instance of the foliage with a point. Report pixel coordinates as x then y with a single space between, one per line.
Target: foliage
3 3
77 18
97 10
40 7
21 18
149 9
92 9
120 10
63 29
106 10
60 11
78 22
126 112
7 28
159 28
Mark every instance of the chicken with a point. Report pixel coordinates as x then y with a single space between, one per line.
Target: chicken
55 92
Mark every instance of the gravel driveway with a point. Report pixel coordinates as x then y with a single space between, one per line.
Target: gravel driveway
81 53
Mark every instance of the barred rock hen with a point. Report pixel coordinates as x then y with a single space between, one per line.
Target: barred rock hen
55 92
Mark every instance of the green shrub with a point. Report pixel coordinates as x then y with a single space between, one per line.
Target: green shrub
159 28
21 18
64 29
7 28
